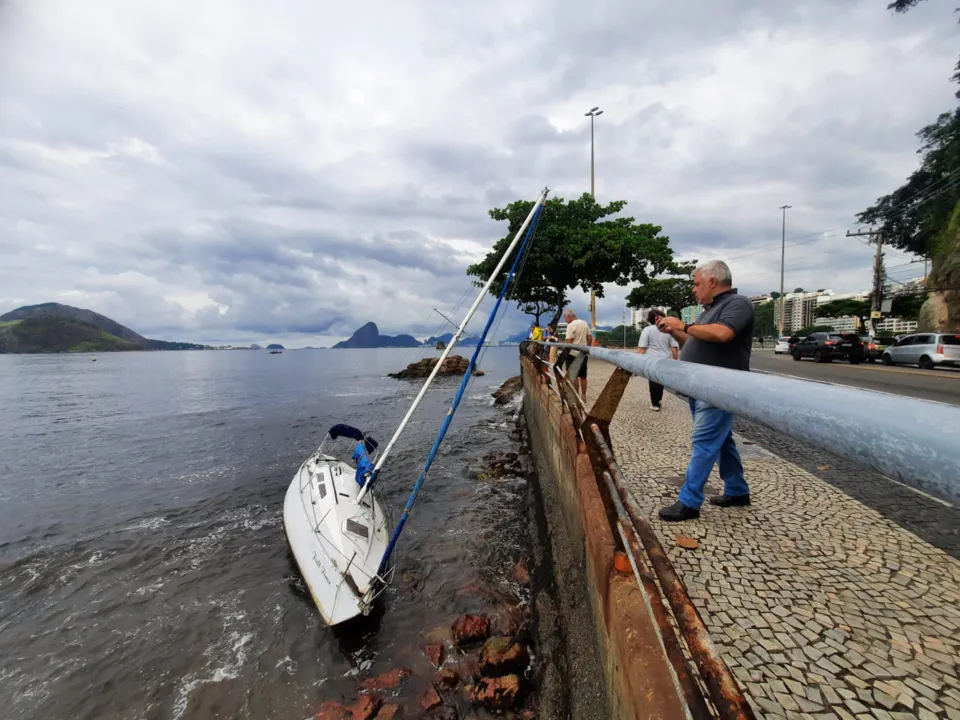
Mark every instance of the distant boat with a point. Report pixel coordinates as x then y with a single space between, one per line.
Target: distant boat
276 352
93 359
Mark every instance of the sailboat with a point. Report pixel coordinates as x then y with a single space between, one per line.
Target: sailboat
333 518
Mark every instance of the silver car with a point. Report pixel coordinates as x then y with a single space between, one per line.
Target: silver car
928 350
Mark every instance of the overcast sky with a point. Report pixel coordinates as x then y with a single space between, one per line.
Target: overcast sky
245 171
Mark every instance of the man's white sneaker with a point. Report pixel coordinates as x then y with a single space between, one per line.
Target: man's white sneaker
655 408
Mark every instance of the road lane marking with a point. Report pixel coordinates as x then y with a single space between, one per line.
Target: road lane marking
851 387
877 367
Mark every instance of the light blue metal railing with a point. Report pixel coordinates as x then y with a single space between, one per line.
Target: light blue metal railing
916 442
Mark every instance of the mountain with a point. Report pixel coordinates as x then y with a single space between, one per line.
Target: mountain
52 327
369 336
432 341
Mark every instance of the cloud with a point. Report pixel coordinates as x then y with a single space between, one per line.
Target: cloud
242 171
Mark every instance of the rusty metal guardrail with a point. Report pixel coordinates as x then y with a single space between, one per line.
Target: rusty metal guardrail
710 684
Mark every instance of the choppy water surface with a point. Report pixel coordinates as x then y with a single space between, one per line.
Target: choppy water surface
143 567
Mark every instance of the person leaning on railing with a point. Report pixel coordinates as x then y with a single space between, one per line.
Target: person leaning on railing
722 336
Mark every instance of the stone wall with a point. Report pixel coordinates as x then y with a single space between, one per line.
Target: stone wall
617 668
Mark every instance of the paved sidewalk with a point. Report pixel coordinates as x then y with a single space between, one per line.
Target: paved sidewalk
821 606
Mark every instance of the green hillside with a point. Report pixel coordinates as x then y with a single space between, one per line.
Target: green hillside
51 333
55 328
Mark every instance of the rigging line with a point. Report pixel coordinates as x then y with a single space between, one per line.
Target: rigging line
453 408
516 280
925 191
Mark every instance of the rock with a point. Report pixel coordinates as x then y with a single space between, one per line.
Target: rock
389 712
503 656
520 573
330 710
496 465
386 681
366 707
506 392
442 713
470 629
453 365
430 699
446 679
436 653
500 693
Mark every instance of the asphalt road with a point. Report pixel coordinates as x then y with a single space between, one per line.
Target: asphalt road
942 385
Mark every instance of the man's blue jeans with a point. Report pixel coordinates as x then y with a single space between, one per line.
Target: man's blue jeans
712 442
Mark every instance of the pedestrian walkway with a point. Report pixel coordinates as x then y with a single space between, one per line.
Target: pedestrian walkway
821 607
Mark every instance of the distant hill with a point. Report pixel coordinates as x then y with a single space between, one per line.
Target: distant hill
432 341
369 336
52 327
275 346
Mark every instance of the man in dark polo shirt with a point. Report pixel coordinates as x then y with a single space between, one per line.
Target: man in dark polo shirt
722 336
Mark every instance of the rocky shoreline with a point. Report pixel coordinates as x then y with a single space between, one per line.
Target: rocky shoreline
453 365
489 663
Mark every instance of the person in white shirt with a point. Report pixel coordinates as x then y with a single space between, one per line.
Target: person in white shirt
578 332
657 344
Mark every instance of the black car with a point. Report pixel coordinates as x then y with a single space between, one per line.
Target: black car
824 347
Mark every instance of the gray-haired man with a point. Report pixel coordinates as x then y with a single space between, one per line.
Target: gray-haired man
722 336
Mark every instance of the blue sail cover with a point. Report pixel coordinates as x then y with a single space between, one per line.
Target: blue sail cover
348 431
364 464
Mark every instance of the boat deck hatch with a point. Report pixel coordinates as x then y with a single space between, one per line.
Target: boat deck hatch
358 528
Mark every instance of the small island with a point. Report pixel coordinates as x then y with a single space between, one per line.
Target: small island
453 365
369 336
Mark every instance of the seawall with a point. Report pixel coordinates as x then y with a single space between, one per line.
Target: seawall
614 656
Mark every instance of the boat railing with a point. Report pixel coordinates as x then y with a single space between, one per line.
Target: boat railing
341 448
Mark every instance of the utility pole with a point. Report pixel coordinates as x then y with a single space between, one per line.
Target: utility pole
594 112
783 251
876 297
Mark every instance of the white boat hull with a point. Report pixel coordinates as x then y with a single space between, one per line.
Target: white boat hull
338 544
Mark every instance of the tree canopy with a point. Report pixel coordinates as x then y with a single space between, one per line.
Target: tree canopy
673 293
765 319
577 244
914 216
846 307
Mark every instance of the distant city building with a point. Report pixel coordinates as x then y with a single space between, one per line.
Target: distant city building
760 299
689 313
896 326
638 316
798 310
840 324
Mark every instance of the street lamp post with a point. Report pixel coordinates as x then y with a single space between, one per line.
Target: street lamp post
594 112
783 249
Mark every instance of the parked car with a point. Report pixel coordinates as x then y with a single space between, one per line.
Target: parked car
928 350
824 347
874 345
782 346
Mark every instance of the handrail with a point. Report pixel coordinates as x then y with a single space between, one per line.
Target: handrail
916 442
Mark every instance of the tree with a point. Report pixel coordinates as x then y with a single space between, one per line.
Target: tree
799 290
672 293
615 337
846 307
765 320
907 307
810 329
576 244
774 296
914 216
